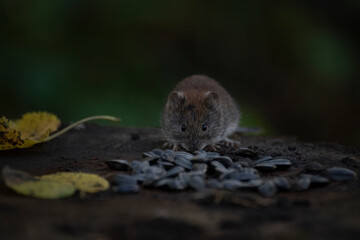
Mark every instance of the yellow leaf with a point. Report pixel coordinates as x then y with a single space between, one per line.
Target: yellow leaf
35 128
37 125
85 182
45 189
22 183
31 129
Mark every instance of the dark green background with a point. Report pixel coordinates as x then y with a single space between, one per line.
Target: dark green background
293 66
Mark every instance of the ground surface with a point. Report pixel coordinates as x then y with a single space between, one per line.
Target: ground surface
331 212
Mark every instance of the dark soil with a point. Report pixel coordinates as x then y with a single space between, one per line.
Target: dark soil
330 212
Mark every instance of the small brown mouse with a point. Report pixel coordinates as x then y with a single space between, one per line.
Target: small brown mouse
199 112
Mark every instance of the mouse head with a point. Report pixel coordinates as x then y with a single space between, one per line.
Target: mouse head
193 119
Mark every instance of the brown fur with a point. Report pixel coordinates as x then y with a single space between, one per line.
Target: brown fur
195 101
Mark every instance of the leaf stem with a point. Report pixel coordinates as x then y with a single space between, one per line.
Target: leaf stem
102 117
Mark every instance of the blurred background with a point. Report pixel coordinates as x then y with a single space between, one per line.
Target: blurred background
293 66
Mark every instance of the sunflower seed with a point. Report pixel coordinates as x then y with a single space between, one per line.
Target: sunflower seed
281 183
149 154
231 184
139 167
175 184
184 178
152 174
158 151
201 167
197 182
262 159
125 184
126 188
302 184
165 164
213 183
162 182
267 189
123 178
186 155
339 174
219 167
241 176
211 155
174 171
315 179
242 151
237 166
183 162
265 167
115 164
268 164
224 160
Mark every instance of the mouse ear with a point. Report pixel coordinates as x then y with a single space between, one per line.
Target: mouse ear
176 97
212 98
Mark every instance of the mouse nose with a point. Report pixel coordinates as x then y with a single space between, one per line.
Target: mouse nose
193 146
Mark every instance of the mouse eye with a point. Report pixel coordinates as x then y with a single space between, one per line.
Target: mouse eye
204 127
183 127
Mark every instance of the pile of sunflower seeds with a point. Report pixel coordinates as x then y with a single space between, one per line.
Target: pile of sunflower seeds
202 170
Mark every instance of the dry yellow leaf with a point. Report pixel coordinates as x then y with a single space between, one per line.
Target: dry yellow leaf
37 125
44 189
32 128
85 182
35 128
23 183
53 186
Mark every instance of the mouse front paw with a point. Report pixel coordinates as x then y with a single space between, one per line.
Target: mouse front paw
171 145
213 148
229 143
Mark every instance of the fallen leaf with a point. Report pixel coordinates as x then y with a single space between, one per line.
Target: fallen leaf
23 183
85 182
35 127
31 129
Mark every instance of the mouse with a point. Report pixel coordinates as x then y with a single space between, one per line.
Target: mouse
199 113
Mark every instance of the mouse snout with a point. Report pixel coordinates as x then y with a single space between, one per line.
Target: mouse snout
194 145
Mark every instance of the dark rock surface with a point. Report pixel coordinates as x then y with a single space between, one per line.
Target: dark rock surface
327 212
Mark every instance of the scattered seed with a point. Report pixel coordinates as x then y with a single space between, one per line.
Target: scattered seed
237 166
184 178
282 183
315 179
197 182
262 159
267 189
241 176
186 155
224 160
219 167
302 184
175 184
149 154
339 174
213 183
231 184
125 184
201 167
121 165
202 170
174 171
199 157
183 162
212 155
123 188
242 151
